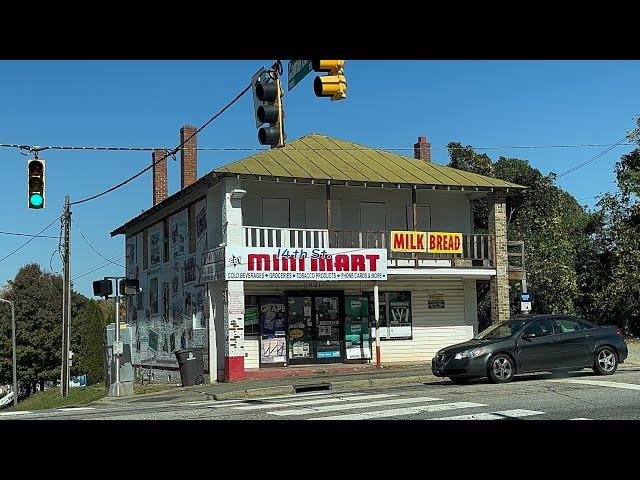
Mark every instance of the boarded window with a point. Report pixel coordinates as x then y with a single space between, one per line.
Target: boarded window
192 228
145 249
165 255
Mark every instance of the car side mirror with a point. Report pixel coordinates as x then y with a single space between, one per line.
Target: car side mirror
528 336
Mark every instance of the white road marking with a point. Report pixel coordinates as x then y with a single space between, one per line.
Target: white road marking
494 415
600 383
313 402
21 412
352 406
580 418
399 412
75 409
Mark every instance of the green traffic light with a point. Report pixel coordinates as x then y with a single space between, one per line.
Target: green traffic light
36 200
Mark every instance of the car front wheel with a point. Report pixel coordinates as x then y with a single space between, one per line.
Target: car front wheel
605 361
501 369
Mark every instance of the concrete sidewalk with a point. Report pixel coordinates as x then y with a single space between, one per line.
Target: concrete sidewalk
283 386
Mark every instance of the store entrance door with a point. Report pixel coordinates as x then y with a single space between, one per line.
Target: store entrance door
314 331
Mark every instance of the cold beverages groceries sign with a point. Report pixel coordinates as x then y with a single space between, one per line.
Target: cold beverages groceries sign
432 242
319 264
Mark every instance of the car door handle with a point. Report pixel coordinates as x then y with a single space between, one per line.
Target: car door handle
588 335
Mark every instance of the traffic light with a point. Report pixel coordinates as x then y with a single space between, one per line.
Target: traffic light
333 85
35 168
129 286
267 101
102 288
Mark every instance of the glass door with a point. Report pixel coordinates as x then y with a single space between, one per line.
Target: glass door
327 328
300 329
356 328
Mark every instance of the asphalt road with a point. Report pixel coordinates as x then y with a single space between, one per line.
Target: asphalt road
579 395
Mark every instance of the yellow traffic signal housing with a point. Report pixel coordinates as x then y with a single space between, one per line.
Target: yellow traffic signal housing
333 85
35 169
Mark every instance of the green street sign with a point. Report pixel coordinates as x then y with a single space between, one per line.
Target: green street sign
298 69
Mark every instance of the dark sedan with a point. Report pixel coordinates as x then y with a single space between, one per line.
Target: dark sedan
533 343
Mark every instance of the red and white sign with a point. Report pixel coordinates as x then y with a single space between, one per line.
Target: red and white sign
315 264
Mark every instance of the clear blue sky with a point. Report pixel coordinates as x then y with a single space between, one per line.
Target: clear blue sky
390 103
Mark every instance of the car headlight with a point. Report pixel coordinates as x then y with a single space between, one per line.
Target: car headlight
474 352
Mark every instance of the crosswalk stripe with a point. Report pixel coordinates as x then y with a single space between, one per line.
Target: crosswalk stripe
20 412
581 418
398 412
313 402
600 383
75 409
518 413
352 406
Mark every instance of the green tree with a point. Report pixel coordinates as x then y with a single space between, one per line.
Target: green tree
88 327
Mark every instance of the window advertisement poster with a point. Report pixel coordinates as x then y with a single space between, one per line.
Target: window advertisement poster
272 325
357 339
395 315
435 301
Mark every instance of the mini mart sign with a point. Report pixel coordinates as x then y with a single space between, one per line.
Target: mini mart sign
308 264
432 242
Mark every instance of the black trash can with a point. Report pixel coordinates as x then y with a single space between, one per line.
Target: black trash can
191 363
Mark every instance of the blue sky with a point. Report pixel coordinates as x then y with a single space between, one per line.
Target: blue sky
389 103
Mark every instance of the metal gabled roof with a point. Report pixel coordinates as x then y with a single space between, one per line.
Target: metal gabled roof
319 157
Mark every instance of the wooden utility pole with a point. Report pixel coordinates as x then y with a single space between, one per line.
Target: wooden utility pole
66 297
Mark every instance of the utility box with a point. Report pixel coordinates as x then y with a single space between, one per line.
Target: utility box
126 367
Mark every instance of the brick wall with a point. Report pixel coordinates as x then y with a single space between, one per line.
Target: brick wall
422 149
160 186
499 283
188 157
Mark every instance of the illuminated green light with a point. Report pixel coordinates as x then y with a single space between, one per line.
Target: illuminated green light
36 200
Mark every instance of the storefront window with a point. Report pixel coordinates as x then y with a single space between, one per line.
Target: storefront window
251 315
395 315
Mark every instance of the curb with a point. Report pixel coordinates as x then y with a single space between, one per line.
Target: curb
334 386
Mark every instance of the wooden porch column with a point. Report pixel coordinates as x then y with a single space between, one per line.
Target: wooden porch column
414 201
329 220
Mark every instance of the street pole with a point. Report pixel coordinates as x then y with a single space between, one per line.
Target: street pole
117 339
376 313
13 342
213 347
66 297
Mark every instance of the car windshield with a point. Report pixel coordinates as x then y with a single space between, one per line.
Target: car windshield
502 330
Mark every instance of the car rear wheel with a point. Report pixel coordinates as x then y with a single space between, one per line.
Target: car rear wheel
501 369
459 380
605 361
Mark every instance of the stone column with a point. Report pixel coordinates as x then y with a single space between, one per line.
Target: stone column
499 283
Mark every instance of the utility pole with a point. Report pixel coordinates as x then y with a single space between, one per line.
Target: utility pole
66 297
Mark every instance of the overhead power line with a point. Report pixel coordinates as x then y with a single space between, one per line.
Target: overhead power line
604 152
94 249
172 152
28 241
99 267
262 149
27 235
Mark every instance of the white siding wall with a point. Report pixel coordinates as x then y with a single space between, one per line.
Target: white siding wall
450 211
251 352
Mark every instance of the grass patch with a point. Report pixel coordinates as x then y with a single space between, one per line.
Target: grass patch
52 398
152 388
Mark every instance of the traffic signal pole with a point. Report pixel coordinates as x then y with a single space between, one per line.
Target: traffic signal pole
66 297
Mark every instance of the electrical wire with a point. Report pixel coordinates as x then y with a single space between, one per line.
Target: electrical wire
170 153
580 165
98 267
27 235
28 241
94 249
263 149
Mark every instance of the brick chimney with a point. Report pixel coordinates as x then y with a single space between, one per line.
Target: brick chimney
188 157
160 186
422 149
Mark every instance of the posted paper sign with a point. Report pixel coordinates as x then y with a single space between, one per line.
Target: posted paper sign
321 264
